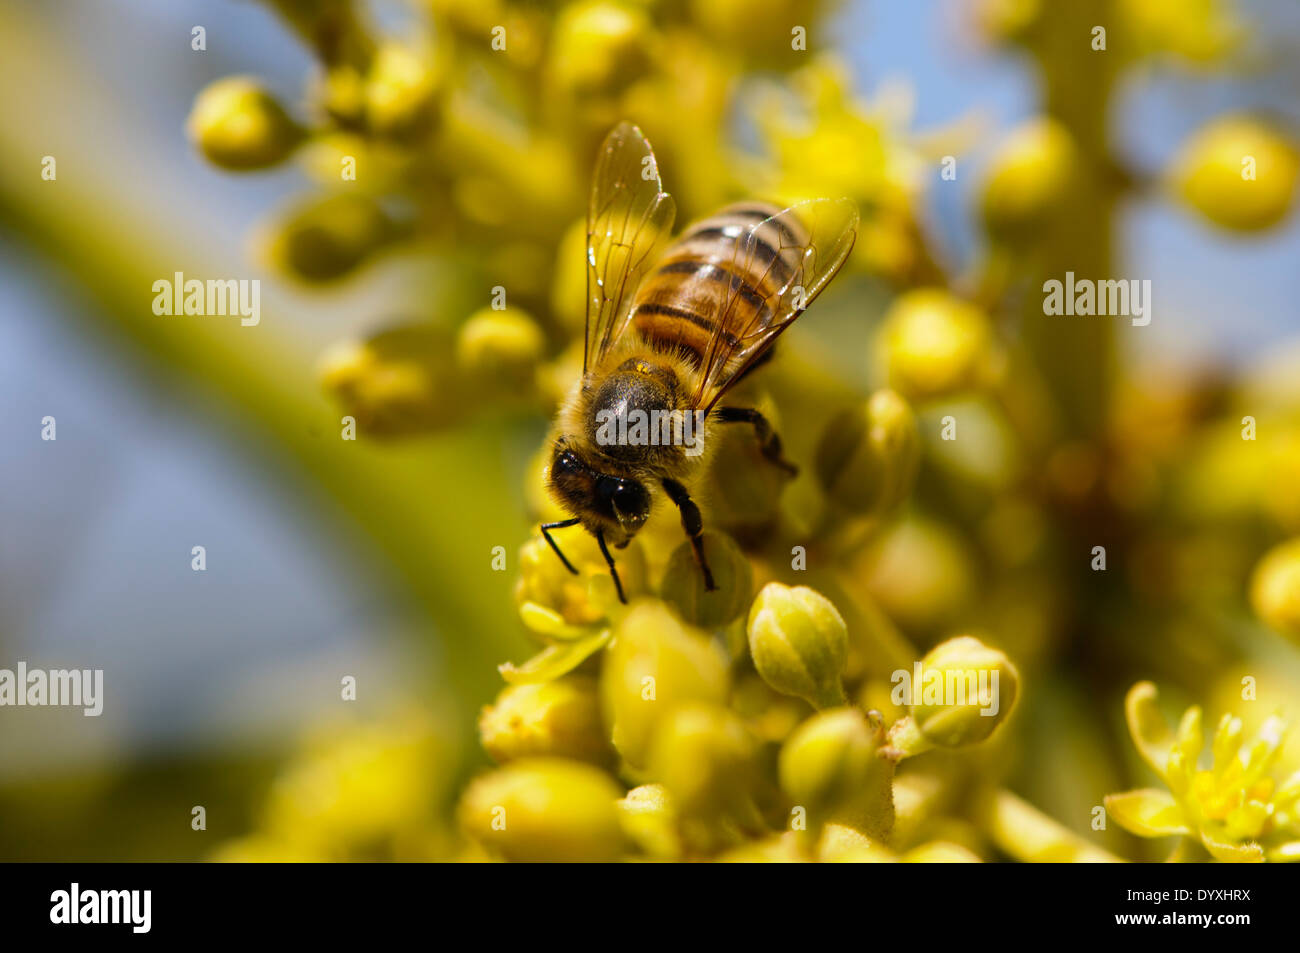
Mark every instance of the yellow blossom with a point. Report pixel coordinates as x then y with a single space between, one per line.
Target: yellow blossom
1235 808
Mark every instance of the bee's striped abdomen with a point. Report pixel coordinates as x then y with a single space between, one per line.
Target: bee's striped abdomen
680 303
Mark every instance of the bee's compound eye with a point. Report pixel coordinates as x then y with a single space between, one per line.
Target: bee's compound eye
631 502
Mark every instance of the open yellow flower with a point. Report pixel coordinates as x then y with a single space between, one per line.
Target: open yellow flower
1235 808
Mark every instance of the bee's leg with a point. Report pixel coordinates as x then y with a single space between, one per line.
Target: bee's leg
546 532
769 441
604 551
693 523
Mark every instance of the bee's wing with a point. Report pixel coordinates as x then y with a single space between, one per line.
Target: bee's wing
628 221
811 240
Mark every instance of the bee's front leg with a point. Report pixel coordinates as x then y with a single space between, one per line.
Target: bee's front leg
546 532
693 523
613 570
769 441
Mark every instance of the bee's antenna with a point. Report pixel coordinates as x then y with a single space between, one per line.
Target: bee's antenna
604 551
546 532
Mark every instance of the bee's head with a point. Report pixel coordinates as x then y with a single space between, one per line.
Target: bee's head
601 500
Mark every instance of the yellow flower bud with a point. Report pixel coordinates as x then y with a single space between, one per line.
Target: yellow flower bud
778 849
743 488
799 643
933 344
890 245
238 125
844 844
600 48
470 21
966 690
541 505
1275 589
556 378
342 94
580 599
1203 34
359 788
501 348
732 23
704 757
527 262
650 821
920 573
545 810
1239 173
560 718
654 664
400 381
941 852
325 240
829 765
770 715
569 284
868 455
683 585
469 17
401 93
1031 173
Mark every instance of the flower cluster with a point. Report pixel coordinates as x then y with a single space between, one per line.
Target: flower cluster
994 502
737 738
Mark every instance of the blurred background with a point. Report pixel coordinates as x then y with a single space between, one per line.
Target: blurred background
329 558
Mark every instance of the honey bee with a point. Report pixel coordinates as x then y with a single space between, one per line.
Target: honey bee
668 333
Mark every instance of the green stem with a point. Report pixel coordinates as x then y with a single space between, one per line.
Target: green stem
1077 354
906 741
